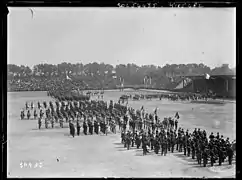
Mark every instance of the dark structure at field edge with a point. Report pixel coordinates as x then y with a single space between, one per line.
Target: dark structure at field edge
222 85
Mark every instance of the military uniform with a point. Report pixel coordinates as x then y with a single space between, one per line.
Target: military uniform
85 128
46 123
28 114
188 147
128 140
205 157
157 145
193 149
199 157
230 154
220 156
176 124
35 114
180 143
78 127
152 141
184 145
138 141
95 127
38 105
132 140
91 128
39 122
52 122
22 115
122 137
144 145
72 129
212 157
61 123
172 142
164 146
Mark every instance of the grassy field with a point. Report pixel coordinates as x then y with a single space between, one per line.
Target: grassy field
56 154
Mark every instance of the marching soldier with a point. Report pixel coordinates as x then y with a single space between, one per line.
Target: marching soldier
164 146
157 145
122 137
217 137
95 127
52 122
45 105
180 143
39 105
35 114
78 127
120 123
98 125
61 122
46 122
91 128
132 139
176 124
22 115
205 156
220 156
85 127
72 129
193 149
230 154
39 122
28 114
211 137
125 139
128 140
138 141
41 113
178 140
172 142
212 154
144 144
152 141
198 153
188 147
106 128
185 144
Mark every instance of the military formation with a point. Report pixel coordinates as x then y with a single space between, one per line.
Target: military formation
138 128
28 111
168 96
196 144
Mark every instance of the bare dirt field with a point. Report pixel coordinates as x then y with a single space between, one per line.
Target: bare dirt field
56 154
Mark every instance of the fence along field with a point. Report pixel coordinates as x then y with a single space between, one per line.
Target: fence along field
101 156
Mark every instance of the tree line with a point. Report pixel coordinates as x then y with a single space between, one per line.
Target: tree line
102 74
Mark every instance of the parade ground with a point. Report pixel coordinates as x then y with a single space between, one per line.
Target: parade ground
54 153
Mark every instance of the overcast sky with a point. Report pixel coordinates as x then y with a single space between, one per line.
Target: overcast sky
111 35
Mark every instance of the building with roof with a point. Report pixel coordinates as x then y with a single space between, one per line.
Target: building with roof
221 85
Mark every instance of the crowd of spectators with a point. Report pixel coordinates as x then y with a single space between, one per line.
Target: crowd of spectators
43 84
45 77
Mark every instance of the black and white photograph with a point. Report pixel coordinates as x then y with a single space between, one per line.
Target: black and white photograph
121 92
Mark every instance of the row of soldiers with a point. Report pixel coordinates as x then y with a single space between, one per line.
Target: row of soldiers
195 144
88 111
91 115
96 115
89 127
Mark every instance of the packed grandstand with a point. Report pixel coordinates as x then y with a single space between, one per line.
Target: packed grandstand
190 77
